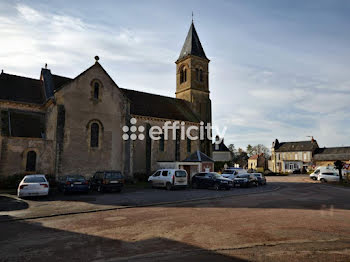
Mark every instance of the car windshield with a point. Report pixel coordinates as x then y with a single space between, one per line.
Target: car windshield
216 175
113 175
243 176
34 179
180 173
257 175
228 172
78 178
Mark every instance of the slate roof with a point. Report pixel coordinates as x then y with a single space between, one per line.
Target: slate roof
146 104
198 156
296 146
222 147
332 154
192 45
21 89
28 90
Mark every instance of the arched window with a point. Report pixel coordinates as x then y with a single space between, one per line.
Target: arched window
183 75
31 161
201 75
94 136
197 74
96 90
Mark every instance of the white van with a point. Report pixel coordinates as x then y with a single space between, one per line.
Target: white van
169 178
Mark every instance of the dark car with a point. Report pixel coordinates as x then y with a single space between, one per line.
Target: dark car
107 181
211 180
261 178
245 180
73 183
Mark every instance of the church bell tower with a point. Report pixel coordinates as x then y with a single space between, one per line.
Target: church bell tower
192 80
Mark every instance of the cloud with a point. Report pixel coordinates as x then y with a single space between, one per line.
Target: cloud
266 82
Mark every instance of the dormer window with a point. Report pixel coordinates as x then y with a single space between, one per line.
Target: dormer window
96 90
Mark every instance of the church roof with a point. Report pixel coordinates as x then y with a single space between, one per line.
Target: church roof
151 105
192 45
28 90
21 89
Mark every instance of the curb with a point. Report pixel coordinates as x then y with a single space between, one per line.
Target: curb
136 206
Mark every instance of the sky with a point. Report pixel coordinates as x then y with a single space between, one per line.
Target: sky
279 69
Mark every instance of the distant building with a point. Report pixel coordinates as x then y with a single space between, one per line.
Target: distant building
257 161
220 151
290 156
327 156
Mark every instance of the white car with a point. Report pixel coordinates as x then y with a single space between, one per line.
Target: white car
320 169
328 176
33 185
169 178
229 173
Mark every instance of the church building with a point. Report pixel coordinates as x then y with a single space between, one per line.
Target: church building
59 125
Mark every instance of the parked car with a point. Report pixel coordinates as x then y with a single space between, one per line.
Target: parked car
245 180
261 178
33 185
107 181
229 173
169 178
211 180
73 183
328 176
317 171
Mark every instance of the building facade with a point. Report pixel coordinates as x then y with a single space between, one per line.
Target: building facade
257 161
220 151
290 156
59 125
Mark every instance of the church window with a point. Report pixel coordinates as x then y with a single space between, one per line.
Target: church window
31 161
94 136
189 145
161 143
96 90
183 75
201 75
197 74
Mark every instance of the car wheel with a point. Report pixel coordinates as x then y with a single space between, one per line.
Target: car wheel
314 178
323 180
168 186
194 185
217 187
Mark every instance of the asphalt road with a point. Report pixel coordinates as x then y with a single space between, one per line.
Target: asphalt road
59 203
302 221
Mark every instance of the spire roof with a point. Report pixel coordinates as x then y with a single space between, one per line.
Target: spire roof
192 45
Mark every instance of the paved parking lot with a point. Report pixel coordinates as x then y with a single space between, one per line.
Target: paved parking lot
58 203
300 221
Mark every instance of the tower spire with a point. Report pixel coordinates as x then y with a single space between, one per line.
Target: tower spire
192 17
